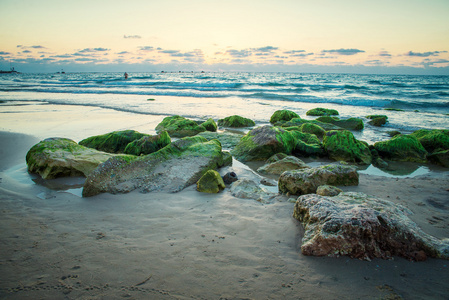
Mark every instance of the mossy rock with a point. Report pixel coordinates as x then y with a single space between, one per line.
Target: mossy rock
393 109
350 124
393 133
440 158
286 164
319 111
228 140
313 129
210 125
299 122
307 144
211 182
262 142
433 140
402 148
148 144
379 121
371 117
113 142
276 157
343 146
236 122
178 126
283 115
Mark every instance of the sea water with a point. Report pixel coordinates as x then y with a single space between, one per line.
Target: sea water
417 101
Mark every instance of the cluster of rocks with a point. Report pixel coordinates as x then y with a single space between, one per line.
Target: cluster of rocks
335 223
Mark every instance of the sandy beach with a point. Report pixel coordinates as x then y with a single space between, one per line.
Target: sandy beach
55 244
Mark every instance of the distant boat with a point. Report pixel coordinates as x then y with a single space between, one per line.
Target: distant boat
8 72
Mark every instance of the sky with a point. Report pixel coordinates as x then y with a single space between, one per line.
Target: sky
351 36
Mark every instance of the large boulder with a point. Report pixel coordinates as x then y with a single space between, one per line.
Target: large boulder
248 189
113 142
306 181
171 169
280 166
178 126
307 144
377 120
60 157
342 145
350 124
299 122
440 158
319 111
282 116
313 129
363 227
433 140
148 144
236 122
402 148
227 139
211 182
262 142
209 125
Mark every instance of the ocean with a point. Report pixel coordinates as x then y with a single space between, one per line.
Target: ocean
417 101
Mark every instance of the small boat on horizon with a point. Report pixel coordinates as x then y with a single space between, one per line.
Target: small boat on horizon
8 72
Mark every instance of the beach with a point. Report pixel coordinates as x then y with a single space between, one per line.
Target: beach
187 245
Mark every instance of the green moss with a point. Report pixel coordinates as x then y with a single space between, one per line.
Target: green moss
178 126
393 109
148 144
376 116
393 133
433 140
378 121
319 111
210 182
342 145
307 144
210 125
313 129
402 148
236 122
350 124
283 115
113 142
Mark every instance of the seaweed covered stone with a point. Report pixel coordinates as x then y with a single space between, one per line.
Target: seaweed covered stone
236 122
282 116
148 144
209 125
319 111
280 166
211 182
363 227
307 144
306 181
61 157
171 169
433 140
178 126
343 146
313 129
350 124
113 142
379 121
262 142
402 148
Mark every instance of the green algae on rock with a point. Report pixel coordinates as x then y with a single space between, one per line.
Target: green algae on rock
282 116
440 158
262 142
148 144
350 124
299 122
433 140
236 122
307 144
313 129
210 125
306 181
211 182
228 140
61 157
402 148
342 145
178 126
379 121
319 111
280 166
113 142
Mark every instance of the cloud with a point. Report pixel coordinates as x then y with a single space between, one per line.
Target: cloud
343 51
4 53
38 47
91 50
26 51
294 51
265 49
384 54
302 54
34 47
238 53
123 52
132 37
424 54
146 48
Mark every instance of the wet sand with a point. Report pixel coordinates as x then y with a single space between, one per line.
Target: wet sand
57 245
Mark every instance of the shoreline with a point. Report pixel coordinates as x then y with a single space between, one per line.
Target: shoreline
186 245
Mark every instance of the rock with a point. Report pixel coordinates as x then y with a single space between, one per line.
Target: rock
307 144
350 124
113 142
148 144
282 116
60 157
393 133
372 117
209 125
268 182
363 227
402 148
247 189
171 169
378 121
178 126
343 146
313 129
433 140
319 111
262 142
286 164
276 157
228 140
230 177
211 182
236 121
440 158
299 122
306 181
328 190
